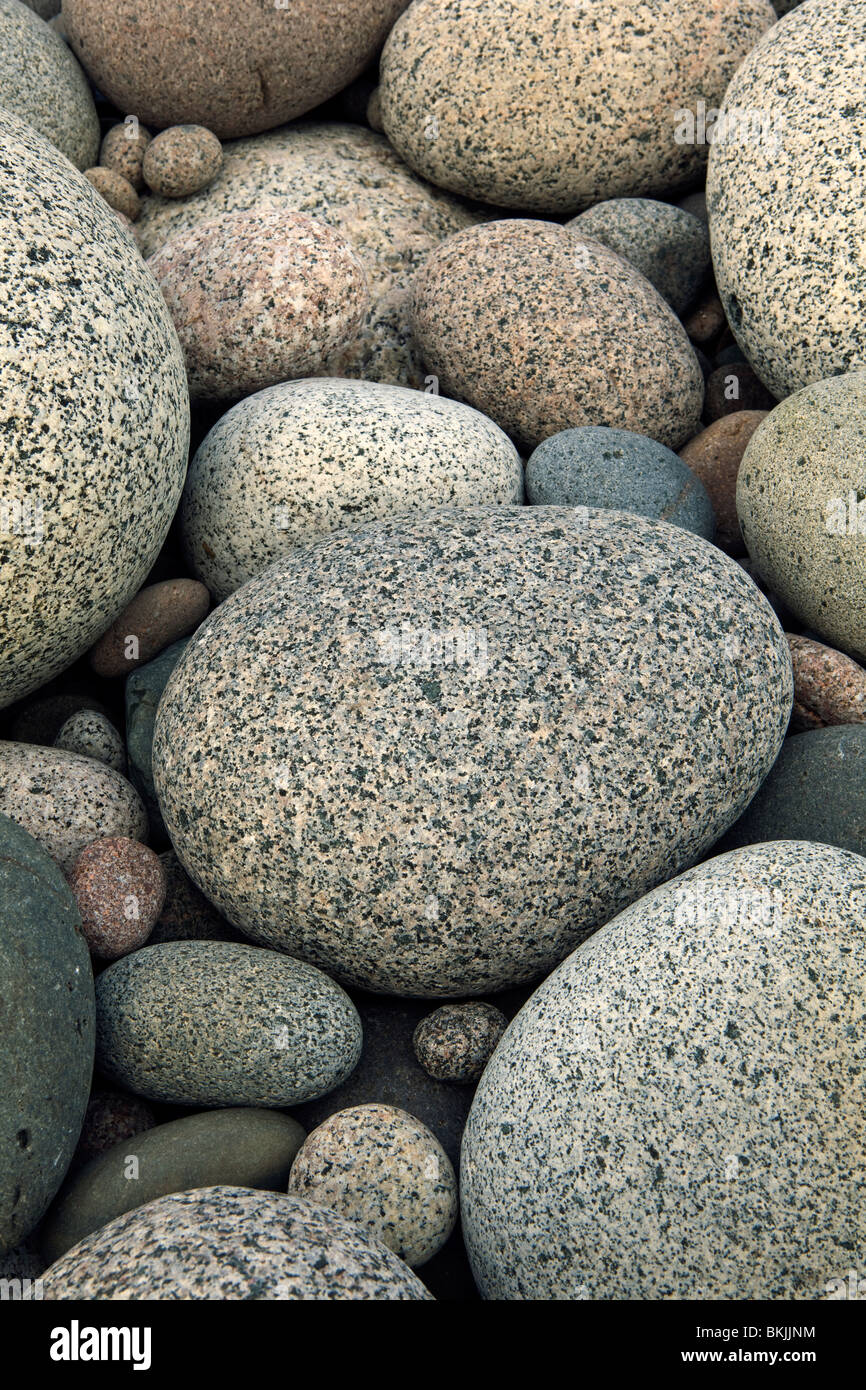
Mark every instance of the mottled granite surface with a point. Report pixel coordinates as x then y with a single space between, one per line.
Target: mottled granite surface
668 245
829 688
181 161
42 84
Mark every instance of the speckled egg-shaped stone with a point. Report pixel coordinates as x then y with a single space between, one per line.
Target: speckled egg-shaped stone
829 688
93 736
550 105
111 1117
431 753
65 800
668 245
799 491
226 1243
303 458
95 411
456 1042
46 1031
117 191
122 150
598 467
715 456
544 330
158 616
236 69
257 298
235 1147
786 191
41 83
677 1112
119 886
182 160
215 1023
381 1167
353 180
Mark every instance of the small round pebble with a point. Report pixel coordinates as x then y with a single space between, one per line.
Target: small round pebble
182 160
111 1117
706 320
734 387
158 615
715 456
119 886
123 150
94 736
456 1042
382 1168
829 688
669 246
117 191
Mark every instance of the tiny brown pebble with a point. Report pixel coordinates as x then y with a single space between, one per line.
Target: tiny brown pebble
706 320
156 617
734 387
111 1117
829 688
715 455
119 886
456 1042
123 150
182 160
117 191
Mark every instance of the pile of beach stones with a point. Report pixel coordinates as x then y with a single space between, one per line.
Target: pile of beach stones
433 661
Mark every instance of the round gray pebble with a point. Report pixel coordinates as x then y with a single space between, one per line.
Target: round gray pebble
456 1042
668 245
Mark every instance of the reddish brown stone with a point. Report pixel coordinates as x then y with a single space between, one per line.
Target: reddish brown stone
111 1117
829 688
735 387
715 455
119 886
706 320
156 617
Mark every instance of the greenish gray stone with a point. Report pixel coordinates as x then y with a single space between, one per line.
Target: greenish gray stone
237 1147
143 690
668 245
46 1031
42 82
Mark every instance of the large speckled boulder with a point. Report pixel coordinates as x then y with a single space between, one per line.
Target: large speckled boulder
677 1113
235 68
215 1023
354 181
328 453
225 1243
786 191
800 487
95 410
41 82
46 1031
552 105
544 330
669 246
235 1147
431 753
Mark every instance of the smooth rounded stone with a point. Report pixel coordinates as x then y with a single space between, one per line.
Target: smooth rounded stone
544 330
669 246
236 69
157 617
93 736
122 150
598 467
117 191
42 84
40 720
714 456
816 790
186 913
382 1168
677 1111
46 1033
548 106
331 453
181 160
354 181
230 1243
66 801
456 1042
788 256
374 112
829 688
706 320
216 1023
798 501
96 414
119 886
112 1117
144 688
259 297
733 388
245 1148
550 709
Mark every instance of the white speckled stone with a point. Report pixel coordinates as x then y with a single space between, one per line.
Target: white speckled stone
379 1166
67 801
677 1112
41 83
226 1243
93 409
431 753
788 214
292 463
552 105
668 245
93 736
799 487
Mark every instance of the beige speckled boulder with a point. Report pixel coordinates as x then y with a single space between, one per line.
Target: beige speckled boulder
182 160
552 105
41 83
544 330
234 67
788 205
258 298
